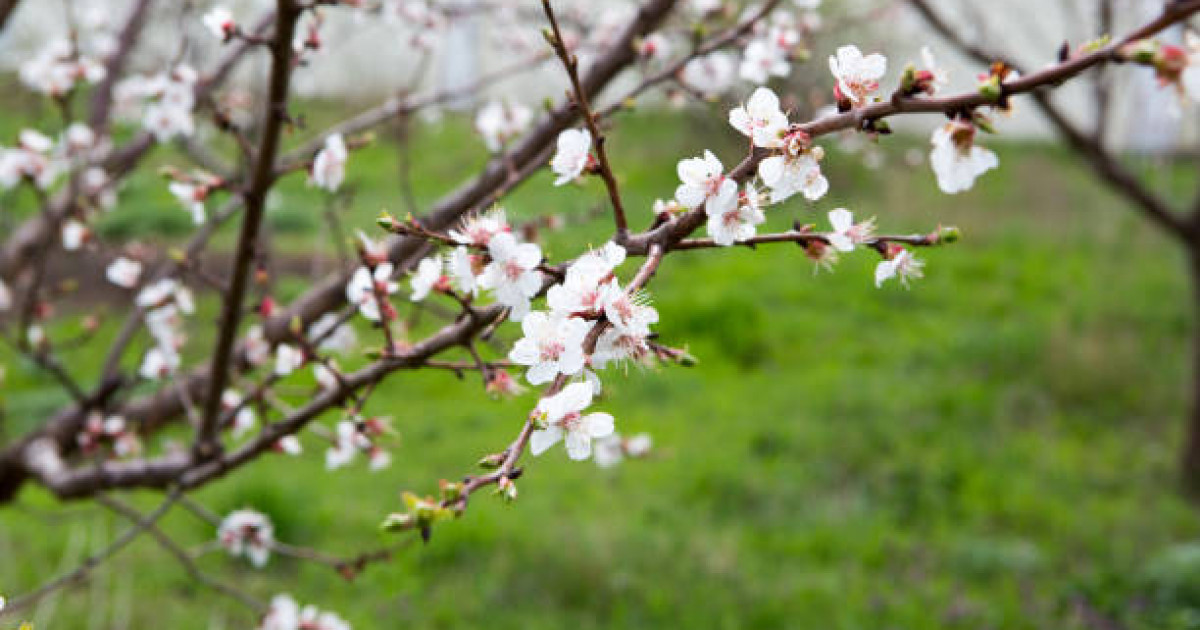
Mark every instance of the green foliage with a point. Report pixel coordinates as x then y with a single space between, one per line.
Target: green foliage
993 449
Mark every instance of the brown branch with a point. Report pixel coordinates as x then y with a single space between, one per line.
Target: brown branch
1108 167
274 117
579 95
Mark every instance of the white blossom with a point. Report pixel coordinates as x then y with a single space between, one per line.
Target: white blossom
159 362
902 265
73 234
478 230
793 173
257 348
763 60
703 179
500 122
732 218
552 345
562 417
192 197
846 233
244 420
219 22
345 446
512 276
332 335
857 76
461 265
329 167
5 297
761 120
428 274
711 74
574 150
247 533
956 159
364 286
287 359
124 272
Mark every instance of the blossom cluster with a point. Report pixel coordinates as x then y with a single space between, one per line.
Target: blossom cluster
247 533
285 614
163 102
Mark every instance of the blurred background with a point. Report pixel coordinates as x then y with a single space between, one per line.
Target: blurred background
995 448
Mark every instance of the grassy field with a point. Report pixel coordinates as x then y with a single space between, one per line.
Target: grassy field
995 448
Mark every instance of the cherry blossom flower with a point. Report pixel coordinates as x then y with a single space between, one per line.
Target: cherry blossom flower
247 533
329 333
614 448
500 122
902 265
582 290
5 297
512 276
285 614
616 345
287 359
703 179
501 383
763 60
761 120
857 76
345 446
654 47
428 275
846 233
552 345
74 234
243 421
329 167
58 67
164 292
29 161
124 272
192 197
956 159
257 348
159 362
938 76
478 230
219 22
562 417
629 312
289 445
463 278
365 284
574 152
732 218
711 74
793 172
1189 79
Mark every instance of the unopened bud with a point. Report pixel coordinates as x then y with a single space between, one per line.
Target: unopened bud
492 461
397 521
947 234
990 88
387 221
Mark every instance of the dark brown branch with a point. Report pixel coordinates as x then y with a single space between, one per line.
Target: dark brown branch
274 117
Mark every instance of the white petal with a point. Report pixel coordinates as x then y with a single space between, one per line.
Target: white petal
542 439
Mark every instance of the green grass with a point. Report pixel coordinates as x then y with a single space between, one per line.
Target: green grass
993 449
